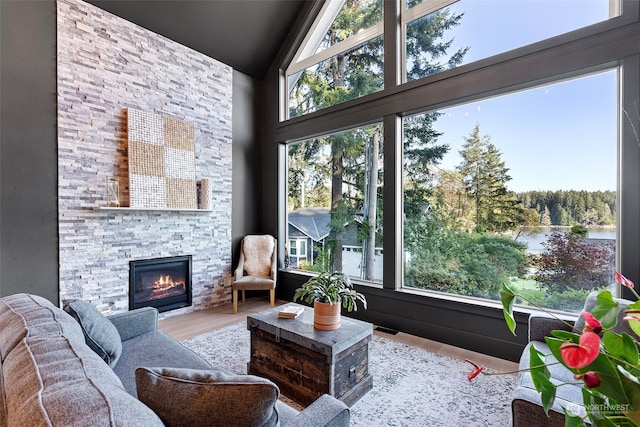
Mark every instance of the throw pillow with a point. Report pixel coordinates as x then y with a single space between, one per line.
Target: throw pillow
99 333
621 326
212 397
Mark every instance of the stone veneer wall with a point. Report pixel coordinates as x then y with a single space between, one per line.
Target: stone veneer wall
106 65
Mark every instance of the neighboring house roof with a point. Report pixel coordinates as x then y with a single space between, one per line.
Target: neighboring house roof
313 222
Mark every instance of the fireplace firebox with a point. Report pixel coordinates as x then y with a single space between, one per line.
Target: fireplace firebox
163 283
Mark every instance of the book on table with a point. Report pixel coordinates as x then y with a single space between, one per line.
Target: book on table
290 312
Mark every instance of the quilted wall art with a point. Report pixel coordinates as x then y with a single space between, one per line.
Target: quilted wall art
162 161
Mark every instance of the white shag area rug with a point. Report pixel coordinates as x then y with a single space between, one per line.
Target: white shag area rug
411 386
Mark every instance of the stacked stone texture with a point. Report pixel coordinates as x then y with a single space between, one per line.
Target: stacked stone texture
105 66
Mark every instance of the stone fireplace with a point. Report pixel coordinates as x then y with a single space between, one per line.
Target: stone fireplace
107 66
163 283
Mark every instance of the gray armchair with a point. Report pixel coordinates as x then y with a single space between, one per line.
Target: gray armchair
526 405
256 268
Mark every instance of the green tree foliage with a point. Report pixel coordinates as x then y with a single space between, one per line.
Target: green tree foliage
356 73
347 75
451 201
420 154
571 262
579 230
530 223
308 175
428 51
343 77
545 216
484 177
567 208
447 260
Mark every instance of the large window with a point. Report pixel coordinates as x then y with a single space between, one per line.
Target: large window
440 35
341 59
519 189
335 203
517 163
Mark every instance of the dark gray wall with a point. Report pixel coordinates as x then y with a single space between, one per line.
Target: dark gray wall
247 167
28 149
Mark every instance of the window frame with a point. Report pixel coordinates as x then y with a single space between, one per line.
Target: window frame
596 47
304 59
345 247
616 67
299 256
409 15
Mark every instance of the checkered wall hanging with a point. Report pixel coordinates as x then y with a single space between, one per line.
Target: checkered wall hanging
162 162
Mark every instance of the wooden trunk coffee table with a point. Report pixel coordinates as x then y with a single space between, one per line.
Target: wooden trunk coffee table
306 362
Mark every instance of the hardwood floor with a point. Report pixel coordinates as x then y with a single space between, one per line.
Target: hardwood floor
192 324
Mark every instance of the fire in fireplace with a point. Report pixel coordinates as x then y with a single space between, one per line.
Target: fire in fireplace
163 283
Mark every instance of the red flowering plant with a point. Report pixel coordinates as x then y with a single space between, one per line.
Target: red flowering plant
606 362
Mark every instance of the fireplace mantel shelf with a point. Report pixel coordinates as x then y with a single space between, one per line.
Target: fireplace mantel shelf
127 209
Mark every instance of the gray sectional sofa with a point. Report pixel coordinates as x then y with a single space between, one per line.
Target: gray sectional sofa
526 405
75 367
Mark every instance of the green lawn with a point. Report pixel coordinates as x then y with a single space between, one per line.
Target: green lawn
524 284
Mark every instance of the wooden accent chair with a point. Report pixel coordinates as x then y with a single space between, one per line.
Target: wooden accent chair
256 268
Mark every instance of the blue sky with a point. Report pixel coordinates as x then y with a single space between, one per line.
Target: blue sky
560 136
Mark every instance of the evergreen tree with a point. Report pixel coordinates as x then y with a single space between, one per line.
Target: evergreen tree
545 218
572 207
428 51
472 171
451 201
357 73
484 177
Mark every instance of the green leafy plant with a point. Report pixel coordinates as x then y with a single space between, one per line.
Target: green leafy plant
331 288
606 362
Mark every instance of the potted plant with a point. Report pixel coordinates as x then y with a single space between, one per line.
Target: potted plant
328 292
604 360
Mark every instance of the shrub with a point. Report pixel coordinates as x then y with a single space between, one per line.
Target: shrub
570 262
571 300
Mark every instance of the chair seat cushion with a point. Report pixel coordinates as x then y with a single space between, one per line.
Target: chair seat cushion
568 396
253 283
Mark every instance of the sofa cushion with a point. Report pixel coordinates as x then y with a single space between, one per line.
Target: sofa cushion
568 396
621 325
100 334
3 404
154 349
212 397
24 315
57 381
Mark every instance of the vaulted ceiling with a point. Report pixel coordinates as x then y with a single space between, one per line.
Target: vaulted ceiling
245 34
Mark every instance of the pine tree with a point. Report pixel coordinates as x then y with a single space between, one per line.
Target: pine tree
357 73
545 218
484 177
472 171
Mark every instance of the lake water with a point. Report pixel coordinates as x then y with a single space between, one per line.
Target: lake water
534 241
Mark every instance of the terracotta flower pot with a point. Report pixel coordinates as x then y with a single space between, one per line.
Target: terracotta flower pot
326 317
